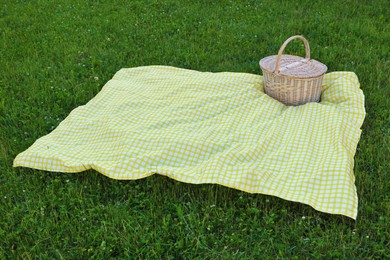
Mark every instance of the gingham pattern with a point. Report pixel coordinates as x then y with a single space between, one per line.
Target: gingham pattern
201 127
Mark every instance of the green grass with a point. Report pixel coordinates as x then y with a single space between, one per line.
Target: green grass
57 55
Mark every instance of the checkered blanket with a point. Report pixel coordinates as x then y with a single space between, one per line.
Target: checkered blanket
201 127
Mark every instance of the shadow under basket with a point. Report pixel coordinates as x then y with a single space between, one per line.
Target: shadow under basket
293 80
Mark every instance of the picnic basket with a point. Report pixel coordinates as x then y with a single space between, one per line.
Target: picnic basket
290 79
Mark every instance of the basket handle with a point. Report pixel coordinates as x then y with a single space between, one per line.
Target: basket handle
307 47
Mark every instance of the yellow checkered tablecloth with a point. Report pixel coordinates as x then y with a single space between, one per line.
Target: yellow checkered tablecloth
202 127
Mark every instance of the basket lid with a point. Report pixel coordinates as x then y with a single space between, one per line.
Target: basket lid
293 66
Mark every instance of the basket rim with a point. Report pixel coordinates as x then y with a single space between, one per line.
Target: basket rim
318 63
288 76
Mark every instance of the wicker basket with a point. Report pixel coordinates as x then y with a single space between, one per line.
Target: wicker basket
290 79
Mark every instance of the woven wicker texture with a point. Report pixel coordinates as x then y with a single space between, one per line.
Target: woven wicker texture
201 127
291 79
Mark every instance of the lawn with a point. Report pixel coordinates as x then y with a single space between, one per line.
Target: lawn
57 55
